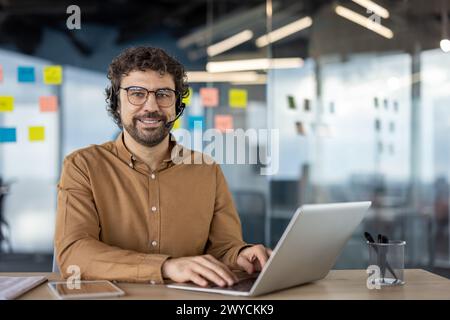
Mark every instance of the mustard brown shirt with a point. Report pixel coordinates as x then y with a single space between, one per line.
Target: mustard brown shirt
118 220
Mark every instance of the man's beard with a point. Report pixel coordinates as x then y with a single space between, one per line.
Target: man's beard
148 137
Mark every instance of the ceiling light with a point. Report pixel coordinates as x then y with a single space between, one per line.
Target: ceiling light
253 64
283 32
229 43
373 7
244 77
365 22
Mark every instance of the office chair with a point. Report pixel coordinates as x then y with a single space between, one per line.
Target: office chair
251 206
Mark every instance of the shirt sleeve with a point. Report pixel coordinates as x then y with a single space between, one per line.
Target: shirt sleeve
225 236
77 235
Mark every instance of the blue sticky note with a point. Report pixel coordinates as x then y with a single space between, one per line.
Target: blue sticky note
25 74
7 135
196 122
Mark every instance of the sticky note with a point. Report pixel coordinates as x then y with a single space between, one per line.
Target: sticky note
187 100
307 105
36 133
237 98
177 124
6 103
196 122
291 102
210 97
300 128
53 74
1 73
48 103
7 135
25 74
223 122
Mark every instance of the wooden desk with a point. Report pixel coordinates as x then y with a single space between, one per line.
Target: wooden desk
339 284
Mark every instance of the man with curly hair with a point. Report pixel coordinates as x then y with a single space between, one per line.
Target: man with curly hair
127 211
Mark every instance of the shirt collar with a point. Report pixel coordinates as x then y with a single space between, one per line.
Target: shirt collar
125 155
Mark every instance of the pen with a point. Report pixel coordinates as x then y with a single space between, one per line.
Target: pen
370 239
382 256
380 260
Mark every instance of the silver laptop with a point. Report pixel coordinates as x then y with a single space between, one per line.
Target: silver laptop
307 250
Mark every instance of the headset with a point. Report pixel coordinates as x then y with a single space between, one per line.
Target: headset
179 107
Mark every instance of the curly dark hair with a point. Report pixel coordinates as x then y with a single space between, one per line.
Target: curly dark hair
142 58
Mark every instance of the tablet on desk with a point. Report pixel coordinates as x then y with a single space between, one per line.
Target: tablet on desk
86 289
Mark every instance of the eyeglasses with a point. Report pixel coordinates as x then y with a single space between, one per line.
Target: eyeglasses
138 96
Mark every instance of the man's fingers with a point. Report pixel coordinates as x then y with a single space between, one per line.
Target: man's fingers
246 264
209 274
269 251
198 280
219 268
222 269
262 257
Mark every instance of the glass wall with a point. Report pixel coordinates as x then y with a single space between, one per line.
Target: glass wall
350 115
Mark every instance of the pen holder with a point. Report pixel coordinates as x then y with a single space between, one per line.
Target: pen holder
390 258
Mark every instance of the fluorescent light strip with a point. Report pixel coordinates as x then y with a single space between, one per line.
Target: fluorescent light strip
372 6
244 83
253 64
283 32
229 43
244 77
365 22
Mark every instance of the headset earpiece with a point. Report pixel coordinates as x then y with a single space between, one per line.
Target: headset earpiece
180 108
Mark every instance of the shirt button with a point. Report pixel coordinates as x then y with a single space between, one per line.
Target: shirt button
154 243
153 209
152 282
153 176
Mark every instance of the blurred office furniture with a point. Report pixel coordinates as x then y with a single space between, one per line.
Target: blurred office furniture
4 226
54 264
25 262
418 230
251 206
285 198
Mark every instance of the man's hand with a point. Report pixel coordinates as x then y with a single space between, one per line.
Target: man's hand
253 258
200 270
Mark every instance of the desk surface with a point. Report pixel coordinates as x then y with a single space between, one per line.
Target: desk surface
339 284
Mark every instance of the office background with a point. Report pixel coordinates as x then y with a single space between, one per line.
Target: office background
363 114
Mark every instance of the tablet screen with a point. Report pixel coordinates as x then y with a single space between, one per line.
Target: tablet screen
86 289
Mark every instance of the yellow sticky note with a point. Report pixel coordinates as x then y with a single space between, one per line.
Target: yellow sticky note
53 75
237 98
187 100
177 124
6 103
36 133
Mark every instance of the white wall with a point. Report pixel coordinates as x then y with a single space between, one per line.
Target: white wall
31 166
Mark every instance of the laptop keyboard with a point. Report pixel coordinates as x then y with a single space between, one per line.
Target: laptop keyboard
243 285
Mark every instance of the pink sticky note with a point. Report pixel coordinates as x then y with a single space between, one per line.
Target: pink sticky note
210 97
223 122
48 103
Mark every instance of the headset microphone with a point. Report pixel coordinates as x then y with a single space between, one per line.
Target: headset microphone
180 110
